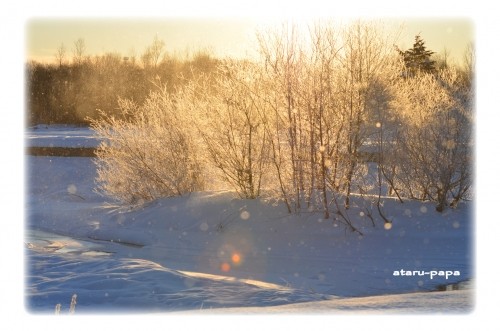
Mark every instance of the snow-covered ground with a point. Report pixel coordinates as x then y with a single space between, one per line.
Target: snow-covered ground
212 252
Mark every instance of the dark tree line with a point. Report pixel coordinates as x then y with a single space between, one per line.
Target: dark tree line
72 93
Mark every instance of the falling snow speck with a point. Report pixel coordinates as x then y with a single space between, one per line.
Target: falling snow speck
423 209
245 215
204 226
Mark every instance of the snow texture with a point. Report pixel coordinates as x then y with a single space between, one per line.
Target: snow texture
213 251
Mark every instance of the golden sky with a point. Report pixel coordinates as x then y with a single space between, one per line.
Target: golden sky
230 36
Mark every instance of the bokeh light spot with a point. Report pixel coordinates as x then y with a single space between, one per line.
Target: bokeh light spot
204 226
72 189
225 267
236 258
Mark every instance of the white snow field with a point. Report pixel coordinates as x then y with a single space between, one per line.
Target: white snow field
210 252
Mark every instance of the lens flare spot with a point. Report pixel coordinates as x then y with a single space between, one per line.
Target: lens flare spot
236 258
225 267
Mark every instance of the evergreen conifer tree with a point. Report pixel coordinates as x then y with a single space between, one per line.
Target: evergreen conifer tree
418 58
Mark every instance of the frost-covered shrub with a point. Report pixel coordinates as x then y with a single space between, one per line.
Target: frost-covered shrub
148 153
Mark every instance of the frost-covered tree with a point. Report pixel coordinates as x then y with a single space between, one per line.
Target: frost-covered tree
469 59
434 141
79 51
151 56
283 63
321 89
60 55
366 66
232 131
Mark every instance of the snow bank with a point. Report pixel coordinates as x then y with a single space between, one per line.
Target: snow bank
106 285
214 250
246 242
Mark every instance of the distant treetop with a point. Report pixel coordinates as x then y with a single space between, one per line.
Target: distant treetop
418 58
